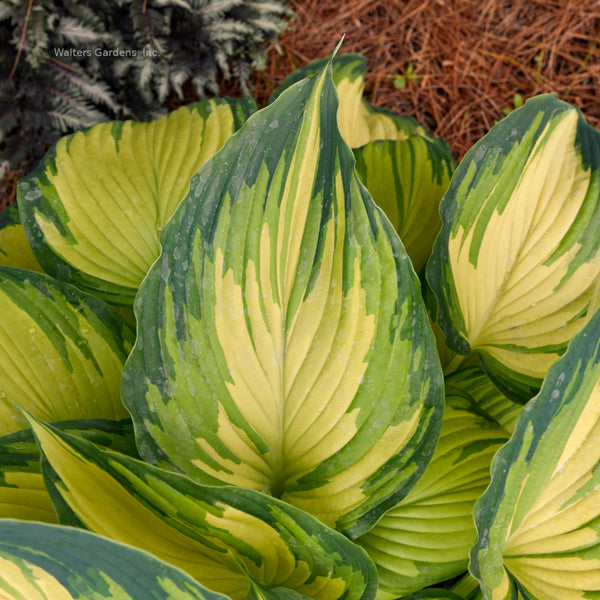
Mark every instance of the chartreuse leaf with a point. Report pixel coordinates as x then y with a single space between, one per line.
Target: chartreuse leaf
225 537
47 562
468 588
283 344
359 122
426 537
486 395
15 249
407 179
95 205
23 494
62 351
433 594
258 593
538 524
516 261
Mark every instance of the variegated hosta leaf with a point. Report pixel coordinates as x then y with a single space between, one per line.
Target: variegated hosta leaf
468 588
96 204
48 562
404 167
486 395
23 494
407 179
595 301
448 357
538 523
283 344
359 121
425 538
433 594
222 536
62 352
516 261
258 593
15 249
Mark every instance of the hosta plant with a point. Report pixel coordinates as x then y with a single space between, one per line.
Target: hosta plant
272 420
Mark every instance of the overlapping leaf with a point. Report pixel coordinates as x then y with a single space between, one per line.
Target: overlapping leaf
23 494
62 352
538 523
407 179
94 207
15 249
229 539
448 358
433 594
48 562
283 345
426 538
487 396
467 588
515 265
595 301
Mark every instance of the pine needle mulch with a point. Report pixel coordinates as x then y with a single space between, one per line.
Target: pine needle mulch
465 63
472 61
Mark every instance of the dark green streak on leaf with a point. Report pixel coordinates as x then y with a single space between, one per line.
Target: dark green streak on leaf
116 131
328 553
535 446
54 307
86 564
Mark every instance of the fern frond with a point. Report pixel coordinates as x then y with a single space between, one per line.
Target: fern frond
95 91
73 31
5 11
268 27
229 29
217 9
178 3
177 77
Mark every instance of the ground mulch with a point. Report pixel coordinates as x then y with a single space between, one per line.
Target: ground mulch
472 60
465 63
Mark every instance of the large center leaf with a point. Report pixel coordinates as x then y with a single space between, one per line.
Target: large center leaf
282 343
